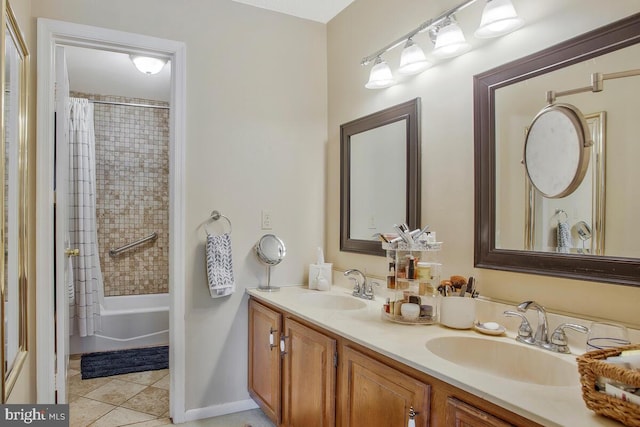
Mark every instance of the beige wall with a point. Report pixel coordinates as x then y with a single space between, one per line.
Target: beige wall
447 133
256 139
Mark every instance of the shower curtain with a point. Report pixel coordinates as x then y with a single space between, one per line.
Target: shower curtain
84 309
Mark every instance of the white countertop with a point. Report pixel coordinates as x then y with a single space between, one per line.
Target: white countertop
547 405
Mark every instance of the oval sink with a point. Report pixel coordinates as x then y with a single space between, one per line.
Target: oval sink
337 302
507 360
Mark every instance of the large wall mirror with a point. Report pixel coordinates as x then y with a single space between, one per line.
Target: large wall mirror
592 232
13 285
379 176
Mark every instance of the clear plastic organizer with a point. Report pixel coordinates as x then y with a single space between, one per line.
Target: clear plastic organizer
412 283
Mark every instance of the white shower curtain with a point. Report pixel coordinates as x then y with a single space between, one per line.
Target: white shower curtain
87 277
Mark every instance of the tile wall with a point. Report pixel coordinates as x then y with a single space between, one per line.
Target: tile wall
132 174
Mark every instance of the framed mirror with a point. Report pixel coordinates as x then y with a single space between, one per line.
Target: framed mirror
379 176
13 285
506 99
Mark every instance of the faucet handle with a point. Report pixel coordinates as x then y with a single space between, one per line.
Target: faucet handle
559 338
524 331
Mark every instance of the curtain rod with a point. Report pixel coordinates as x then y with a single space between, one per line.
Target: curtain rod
130 104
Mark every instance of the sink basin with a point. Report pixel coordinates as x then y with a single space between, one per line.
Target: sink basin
507 360
335 302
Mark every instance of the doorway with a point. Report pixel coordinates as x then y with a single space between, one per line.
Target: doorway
51 321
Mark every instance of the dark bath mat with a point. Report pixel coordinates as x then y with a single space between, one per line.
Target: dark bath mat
107 363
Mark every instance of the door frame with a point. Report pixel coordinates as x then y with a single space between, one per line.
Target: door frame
50 33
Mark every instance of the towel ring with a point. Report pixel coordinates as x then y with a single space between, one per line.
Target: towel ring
560 213
216 215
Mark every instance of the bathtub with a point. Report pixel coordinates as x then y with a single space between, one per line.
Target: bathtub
130 321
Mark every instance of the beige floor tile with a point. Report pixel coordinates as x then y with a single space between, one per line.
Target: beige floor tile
83 411
151 400
122 417
73 372
74 362
253 418
162 383
81 387
153 423
72 398
146 378
115 392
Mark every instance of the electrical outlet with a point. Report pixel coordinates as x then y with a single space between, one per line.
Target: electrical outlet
266 220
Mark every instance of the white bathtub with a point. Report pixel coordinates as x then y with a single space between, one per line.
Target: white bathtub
131 321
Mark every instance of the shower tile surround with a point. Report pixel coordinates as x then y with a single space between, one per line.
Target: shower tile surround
132 193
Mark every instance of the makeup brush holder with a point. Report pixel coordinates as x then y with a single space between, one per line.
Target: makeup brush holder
457 312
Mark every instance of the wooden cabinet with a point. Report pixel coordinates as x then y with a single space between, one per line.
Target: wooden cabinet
292 373
374 394
309 377
264 359
303 376
460 414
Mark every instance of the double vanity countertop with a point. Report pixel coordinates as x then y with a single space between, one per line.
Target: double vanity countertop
416 346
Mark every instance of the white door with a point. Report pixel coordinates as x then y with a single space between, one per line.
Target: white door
62 250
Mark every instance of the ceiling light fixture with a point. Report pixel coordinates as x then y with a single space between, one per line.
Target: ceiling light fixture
148 64
498 18
413 59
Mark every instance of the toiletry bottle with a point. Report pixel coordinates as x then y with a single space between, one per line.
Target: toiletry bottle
411 269
391 276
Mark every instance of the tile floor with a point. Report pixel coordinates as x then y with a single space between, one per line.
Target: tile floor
139 399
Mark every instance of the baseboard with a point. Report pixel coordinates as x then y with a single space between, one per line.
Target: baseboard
217 410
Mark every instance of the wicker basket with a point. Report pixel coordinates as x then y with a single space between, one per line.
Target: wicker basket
591 366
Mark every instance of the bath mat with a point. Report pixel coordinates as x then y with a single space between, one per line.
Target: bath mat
107 363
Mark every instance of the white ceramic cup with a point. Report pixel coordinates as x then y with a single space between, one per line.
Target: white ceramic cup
458 312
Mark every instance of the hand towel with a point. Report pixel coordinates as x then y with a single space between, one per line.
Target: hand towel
564 237
220 265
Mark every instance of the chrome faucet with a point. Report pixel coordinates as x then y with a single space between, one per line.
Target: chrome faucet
360 289
541 337
558 342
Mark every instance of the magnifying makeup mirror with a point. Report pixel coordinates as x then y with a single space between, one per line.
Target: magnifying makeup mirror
557 150
271 251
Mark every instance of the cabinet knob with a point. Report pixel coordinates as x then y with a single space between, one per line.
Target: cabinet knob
412 416
272 339
282 345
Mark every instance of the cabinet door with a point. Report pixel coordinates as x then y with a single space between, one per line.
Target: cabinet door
374 394
264 358
460 414
309 377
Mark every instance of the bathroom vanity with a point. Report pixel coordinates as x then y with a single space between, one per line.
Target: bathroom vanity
327 358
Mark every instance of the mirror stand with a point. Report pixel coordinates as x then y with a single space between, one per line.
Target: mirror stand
271 251
268 288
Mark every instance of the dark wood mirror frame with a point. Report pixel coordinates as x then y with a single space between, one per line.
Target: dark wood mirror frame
625 271
409 111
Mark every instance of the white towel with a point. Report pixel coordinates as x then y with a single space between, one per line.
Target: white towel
564 237
220 265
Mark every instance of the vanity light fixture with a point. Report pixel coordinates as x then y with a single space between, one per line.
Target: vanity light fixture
498 18
380 76
450 40
148 64
412 59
